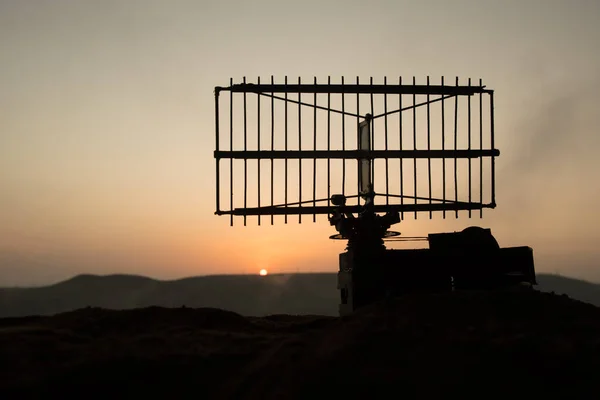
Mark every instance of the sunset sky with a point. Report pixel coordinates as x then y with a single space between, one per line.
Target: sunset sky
107 125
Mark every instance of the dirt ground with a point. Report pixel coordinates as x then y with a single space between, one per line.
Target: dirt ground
484 345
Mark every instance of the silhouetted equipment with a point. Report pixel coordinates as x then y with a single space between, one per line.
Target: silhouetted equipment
332 137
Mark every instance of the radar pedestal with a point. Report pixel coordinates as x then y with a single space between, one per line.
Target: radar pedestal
361 274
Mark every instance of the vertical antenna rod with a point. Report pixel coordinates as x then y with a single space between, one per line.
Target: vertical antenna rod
343 140
231 149
401 160
469 143
272 144
480 148
328 143
456 147
315 159
357 143
415 142
285 217
299 148
443 159
245 160
217 159
258 145
385 122
492 147
429 147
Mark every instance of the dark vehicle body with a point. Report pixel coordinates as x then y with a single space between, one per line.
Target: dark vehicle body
467 260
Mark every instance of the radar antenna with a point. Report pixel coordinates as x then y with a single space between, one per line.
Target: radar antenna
416 149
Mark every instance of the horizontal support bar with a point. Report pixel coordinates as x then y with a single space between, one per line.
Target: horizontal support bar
353 154
356 209
338 88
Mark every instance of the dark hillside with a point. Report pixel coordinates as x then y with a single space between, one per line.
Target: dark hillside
462 345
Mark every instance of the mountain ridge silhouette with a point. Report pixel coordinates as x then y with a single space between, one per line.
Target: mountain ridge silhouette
249 295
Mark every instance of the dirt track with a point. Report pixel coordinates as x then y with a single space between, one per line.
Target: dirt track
427 346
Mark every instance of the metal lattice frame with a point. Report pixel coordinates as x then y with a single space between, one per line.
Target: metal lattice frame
300 95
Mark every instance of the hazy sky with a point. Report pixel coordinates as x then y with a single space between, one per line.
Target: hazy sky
107 125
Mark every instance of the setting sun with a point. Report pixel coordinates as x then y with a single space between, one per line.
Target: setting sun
263 272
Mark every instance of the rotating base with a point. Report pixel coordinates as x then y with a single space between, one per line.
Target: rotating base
339 236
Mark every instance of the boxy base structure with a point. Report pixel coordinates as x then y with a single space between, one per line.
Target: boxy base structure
467 260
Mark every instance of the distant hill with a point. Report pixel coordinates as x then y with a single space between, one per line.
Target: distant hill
243 294
314 294
578 289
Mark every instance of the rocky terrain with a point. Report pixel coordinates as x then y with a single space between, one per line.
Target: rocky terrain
476 344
